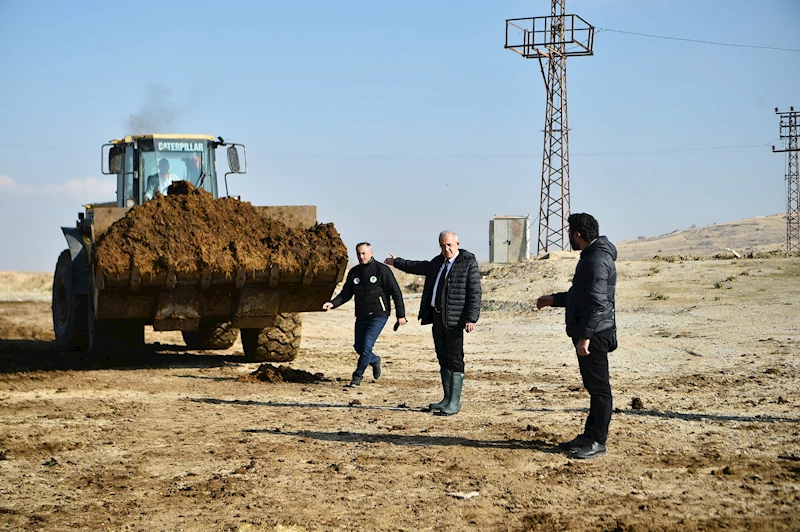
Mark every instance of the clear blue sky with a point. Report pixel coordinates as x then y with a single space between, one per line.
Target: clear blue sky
399 119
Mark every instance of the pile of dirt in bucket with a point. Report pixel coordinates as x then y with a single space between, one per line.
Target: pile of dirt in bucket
273 375
189 231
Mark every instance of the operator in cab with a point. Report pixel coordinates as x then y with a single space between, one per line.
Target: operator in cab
161 181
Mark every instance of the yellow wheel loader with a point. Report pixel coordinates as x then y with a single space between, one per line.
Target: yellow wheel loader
95 309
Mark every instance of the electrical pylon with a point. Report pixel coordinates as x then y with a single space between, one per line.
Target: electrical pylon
789 136
551 39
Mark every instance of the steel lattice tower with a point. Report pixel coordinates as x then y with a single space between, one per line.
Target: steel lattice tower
789 136
551 40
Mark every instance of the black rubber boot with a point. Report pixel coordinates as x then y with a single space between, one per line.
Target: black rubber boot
454 406
446 376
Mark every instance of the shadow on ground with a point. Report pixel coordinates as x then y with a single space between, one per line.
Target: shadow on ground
694 416
417 440
21 356
242 402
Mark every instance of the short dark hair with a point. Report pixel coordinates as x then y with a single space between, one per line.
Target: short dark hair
585 224
364 244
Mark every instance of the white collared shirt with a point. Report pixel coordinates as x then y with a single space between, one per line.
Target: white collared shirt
448 263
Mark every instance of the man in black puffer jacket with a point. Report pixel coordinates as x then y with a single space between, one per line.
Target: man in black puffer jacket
372 284
592 327
451 301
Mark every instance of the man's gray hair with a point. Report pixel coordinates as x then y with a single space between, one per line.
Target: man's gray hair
363 244
447 232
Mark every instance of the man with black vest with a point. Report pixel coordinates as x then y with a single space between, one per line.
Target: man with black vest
451 301
372 284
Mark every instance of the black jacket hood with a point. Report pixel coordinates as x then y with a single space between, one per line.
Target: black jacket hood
601 245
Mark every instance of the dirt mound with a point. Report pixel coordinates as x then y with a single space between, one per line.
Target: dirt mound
190 231
774 254
507 306
180 187
409 282
273 375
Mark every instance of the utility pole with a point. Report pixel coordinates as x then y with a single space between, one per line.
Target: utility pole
789 136
551 39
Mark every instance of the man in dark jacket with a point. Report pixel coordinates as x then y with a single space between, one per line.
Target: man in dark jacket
451 301
161 181
591 325
372 284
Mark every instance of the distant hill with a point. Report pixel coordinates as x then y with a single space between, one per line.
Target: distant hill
762 233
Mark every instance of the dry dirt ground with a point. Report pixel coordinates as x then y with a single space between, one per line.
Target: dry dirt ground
171 440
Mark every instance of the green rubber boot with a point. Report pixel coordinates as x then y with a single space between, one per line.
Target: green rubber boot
454 406
446 376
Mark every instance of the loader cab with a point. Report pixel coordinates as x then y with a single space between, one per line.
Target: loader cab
146 164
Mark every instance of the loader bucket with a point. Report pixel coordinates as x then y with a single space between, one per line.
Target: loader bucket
160 262
178 301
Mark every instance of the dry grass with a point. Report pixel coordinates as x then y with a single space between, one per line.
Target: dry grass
759 234
25 286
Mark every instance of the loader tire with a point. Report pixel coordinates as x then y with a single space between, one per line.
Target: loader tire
211 335
70 310
278 343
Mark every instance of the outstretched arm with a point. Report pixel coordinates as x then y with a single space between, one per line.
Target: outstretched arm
544 301
417 267
552 300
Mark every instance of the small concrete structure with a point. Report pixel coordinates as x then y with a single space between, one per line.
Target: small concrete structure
509 239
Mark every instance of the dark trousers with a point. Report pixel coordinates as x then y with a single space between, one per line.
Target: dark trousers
367 331
449 345
594 371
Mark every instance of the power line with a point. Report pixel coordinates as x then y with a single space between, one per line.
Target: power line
668 151
410 156
709 149
699 41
